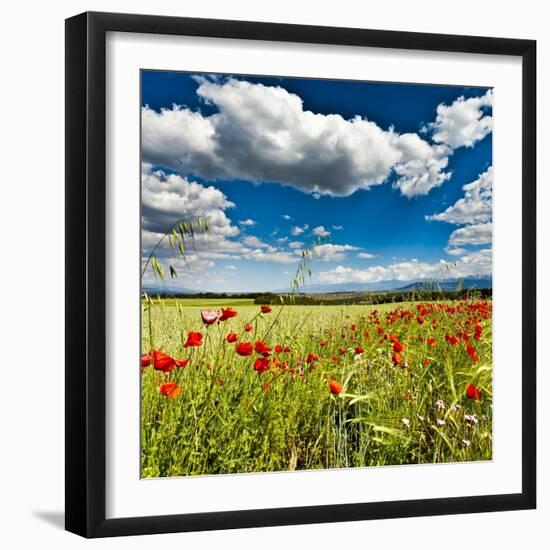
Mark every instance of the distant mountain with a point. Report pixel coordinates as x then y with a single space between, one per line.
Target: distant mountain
450 284
319 288
344 287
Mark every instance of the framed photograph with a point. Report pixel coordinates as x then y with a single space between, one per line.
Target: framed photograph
300 274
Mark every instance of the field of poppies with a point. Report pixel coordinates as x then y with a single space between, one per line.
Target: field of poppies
250 388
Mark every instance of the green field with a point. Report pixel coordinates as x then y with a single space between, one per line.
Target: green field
203 302
406 407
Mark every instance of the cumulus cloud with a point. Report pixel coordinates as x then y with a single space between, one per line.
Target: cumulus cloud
472 234
332 252
262 133
297 230
247 222
474 212
320 231
270 254
337 227
455 251
254 242
366 255
286 217
167 198
474 264
476 206
464 122
296 244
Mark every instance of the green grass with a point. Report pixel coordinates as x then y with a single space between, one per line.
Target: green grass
229 418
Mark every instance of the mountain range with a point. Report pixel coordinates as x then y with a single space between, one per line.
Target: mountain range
447 284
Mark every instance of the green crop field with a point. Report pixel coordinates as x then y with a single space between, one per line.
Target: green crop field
310 387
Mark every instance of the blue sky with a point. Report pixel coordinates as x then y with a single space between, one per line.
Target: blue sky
274 162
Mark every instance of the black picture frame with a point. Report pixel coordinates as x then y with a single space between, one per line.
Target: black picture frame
86 278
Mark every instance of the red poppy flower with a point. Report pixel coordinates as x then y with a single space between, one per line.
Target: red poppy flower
420 319
181 362
244 349
231 337
323 343
286 349
394 338
163 362
170 389
145 360
453 340
209 316
262 348
396 358
359 350
398 347
227 313
473 392
431 342
265 309
426 362
312 357
194 339
380 330
279 349
248 327
261 365
341 351
335 387
353 326
472 353
366 335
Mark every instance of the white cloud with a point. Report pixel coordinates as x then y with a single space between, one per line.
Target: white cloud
472 234
475 264
456 251
296 244
332 252
320 231
282 239
271 255
422 166
167 198
254 242
299 230
475 206
464 122
337 227
286 217
262 133
230 267
247 222
366 255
